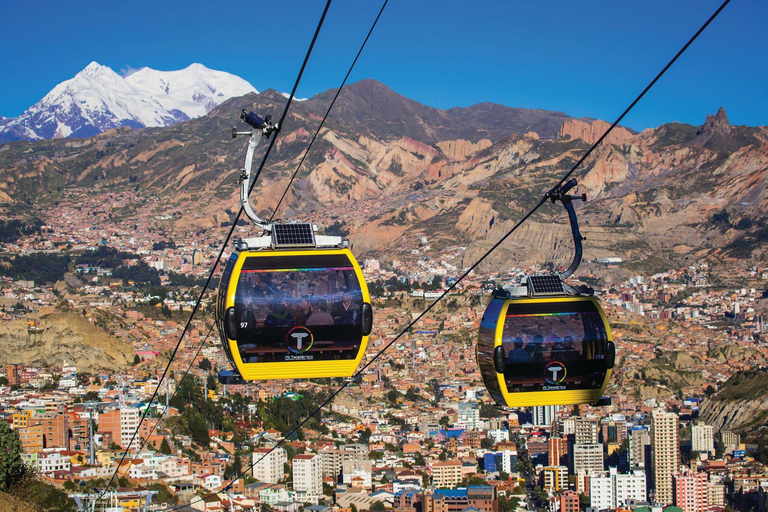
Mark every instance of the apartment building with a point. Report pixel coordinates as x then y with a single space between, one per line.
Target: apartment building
269 464
308 475
446 474
665 454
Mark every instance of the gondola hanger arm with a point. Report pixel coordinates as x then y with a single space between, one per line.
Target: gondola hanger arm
561 194
262 129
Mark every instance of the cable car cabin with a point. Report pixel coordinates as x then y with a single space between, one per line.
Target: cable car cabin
555 349
293 314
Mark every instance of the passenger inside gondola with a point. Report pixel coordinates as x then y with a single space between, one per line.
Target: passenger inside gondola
270 303
518 355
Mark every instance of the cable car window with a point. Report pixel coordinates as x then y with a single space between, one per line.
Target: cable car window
554 346
298 308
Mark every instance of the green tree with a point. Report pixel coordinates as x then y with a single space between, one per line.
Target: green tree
165 448
212 382
12 468
136 359
205 365
198 430
237 466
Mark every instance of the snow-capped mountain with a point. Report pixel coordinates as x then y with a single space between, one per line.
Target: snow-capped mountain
194 90
98 99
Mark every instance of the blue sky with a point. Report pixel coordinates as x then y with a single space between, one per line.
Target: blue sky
583 58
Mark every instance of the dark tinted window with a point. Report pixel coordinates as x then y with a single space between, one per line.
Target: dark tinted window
298 308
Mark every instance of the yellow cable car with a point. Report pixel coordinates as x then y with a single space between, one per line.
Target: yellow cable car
291 304
294 314
546 342
545 351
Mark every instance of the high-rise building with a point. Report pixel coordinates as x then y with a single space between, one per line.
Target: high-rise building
586 430
587 457
702 439
505 460
731 440
691 492
446 474
639 438
558 451
469 415
665 454
308 475
544 415
121 424
334 458
269 464
613 429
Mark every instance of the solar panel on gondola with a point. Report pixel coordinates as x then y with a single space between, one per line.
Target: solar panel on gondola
546 284
293 235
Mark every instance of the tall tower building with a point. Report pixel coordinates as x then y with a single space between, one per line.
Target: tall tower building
268 464
544 415
702 439
665 453
639 438
586 430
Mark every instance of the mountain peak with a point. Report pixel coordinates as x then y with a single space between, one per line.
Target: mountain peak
719 120
716 133
93 69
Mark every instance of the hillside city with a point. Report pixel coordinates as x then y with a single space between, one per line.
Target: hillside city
416 432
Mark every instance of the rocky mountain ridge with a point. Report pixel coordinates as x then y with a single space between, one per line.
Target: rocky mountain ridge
391 171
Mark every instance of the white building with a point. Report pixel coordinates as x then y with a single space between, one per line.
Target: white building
497 435
469 415
268 464
554 478
48 462
359 471
702 439
588 457
308 475
142 472
612 490
543 415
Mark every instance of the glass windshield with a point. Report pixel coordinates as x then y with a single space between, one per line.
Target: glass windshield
554 345
298 308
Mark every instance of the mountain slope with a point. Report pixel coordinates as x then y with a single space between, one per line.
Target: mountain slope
653 196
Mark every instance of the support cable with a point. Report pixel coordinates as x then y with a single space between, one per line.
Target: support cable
543 200
223 246
145 440
327 112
